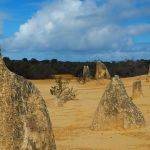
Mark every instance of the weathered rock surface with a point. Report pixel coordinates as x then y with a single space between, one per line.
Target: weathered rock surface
148 75
116 109
101 71
137 89
24 119
86 73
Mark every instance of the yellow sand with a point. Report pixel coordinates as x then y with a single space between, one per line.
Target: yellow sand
71 123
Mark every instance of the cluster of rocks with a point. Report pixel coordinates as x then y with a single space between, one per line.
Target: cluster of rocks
101 72
25 121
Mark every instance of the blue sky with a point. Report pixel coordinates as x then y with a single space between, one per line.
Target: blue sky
17 13
76 30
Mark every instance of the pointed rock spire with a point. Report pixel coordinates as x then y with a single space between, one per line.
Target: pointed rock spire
116 109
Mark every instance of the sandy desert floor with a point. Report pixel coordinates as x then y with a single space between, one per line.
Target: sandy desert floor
71 123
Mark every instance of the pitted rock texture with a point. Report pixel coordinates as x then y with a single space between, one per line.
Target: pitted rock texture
137 89
116 110
24 119
101 71
86 73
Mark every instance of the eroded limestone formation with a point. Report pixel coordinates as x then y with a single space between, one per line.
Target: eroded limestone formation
24 120
148 75
137 89
116 110
86 73
101 71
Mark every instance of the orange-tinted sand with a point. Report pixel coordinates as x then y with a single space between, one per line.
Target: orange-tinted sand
71 123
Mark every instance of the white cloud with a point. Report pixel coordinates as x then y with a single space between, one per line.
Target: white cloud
79 25
138 29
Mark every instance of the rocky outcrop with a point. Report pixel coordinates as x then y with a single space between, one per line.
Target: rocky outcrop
101 71
24 120
137 89
148 75
116 109
86 73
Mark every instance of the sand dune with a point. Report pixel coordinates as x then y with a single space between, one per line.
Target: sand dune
71 123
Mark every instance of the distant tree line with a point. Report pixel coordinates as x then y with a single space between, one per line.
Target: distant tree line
34 69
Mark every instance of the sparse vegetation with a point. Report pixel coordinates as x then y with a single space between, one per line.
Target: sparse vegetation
62 91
